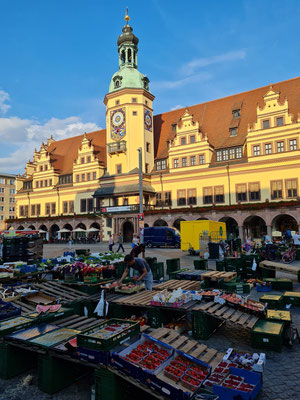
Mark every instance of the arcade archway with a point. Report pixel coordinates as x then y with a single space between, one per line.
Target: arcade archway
255 227
127 231
160 222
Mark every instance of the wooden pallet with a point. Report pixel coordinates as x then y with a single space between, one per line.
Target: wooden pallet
139 299
216 275
276 266
228 314
191 347
174 284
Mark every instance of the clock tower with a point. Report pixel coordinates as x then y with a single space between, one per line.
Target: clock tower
129 119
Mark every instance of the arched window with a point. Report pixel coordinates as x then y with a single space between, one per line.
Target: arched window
123 57
117 83
129 56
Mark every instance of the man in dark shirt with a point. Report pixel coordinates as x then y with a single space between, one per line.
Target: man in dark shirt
143 269
137 250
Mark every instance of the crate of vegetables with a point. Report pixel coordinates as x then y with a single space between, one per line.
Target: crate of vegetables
142 359
239 383
108 335
8 310
130 288
181 377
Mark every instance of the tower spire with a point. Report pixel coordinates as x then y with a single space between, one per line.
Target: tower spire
127 18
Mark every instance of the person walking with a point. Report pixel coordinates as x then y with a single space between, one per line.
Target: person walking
140 265
120 241
110 243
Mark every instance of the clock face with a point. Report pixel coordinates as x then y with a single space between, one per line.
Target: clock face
148 120
117 119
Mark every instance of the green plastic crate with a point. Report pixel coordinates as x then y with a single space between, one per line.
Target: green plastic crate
15 361
107 385
267 335
173 264
86 340
151 261
291 298
172 275
280 284
157 317
275 302
268 273
220 265
119 267
157 269
54 374
204 325
201 264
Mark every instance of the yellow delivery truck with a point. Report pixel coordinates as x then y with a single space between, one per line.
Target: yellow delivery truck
195 234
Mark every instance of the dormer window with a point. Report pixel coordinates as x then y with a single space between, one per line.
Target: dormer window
183 141
117 84
117 81
174 127
146 83
279 121
233 131
236 113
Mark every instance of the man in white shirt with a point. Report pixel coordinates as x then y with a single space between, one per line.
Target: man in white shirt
296 239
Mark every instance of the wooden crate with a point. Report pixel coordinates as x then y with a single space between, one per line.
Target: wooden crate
174 284
216 275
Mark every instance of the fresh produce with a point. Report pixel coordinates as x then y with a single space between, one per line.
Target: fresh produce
173 373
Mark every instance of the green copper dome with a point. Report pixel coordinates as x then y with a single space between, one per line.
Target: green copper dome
128 76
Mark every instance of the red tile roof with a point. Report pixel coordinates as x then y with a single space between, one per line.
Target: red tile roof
215 116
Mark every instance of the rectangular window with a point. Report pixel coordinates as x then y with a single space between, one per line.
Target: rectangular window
158 196
88 176
11 200
134 100
125 201
12 191
53 208
163 164
47 208
193 160
233 132
219 155
1 208
192 197
21 210
82 177
207 195
65 207
32 209
11 209
183 141
293 144
268 148
168 199
50 182
46 167
11 181
236 113
41 184
184 161
82 160
38 209
147 168
266 124
1 190
119 169
88 159
90 205
26 211
134 112
192 139
158 165
148 147
83 205
94 175
280 147
77 178
41 168
109 222
181 197
2 181
176 163
71 206
46 182
241 192
115 201
117 102
232 154
225 155
279 121
1 217
291 186
238 152
254 191
219 194
201 159
256 150
1 199
276 190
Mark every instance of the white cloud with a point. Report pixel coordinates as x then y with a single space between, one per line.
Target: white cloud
177 107
190 67
4 97
201 77
25 135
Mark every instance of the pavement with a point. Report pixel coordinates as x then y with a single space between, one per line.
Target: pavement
281 376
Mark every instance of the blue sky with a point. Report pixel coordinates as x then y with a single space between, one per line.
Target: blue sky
58 56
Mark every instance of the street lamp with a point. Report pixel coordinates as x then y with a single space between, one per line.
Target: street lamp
141 216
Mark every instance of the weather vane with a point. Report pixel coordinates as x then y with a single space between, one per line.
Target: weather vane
127 18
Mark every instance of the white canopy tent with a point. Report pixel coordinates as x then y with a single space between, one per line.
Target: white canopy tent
92 229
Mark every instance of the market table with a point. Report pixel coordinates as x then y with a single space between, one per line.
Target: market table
280 267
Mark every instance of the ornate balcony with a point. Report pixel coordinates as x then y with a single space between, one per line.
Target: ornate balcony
118 147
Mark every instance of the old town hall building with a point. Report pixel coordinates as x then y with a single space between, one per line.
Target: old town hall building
234 159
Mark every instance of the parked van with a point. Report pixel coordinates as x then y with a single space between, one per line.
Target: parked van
158 236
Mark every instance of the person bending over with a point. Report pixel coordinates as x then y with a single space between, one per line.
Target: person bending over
142 268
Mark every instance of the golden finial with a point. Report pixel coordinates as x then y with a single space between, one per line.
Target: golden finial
127 18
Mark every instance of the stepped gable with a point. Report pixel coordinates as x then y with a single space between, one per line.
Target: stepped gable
64 152
215 117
